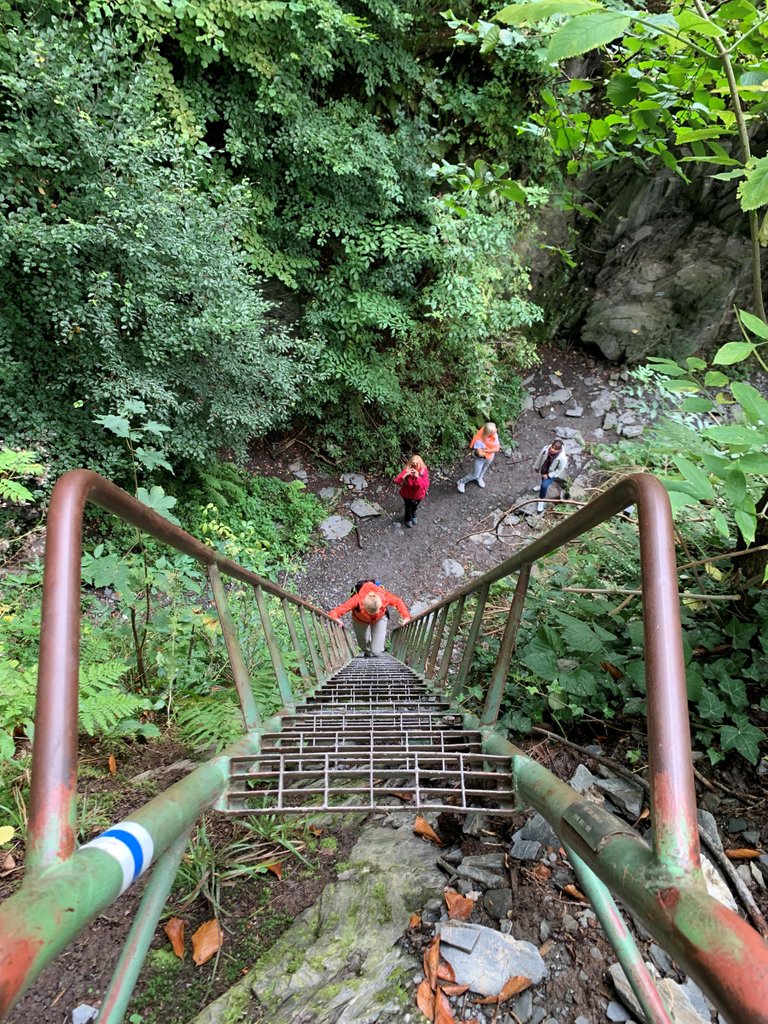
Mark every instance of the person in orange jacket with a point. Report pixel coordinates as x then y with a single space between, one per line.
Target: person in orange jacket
484 446
369 610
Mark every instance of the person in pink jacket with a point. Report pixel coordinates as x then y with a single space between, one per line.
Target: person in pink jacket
414 481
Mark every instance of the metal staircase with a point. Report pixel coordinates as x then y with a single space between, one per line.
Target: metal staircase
374 737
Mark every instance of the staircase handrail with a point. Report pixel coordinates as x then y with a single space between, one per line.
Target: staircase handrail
51 826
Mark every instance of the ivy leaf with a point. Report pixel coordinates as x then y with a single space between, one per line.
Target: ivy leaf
710 707
735 691
753 191
518 14
744 737
585 33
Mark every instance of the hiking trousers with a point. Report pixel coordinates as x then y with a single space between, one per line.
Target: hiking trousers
371 636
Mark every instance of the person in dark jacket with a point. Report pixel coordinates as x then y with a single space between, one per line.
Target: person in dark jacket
369 610
414 481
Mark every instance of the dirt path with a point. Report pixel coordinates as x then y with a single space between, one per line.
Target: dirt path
451 525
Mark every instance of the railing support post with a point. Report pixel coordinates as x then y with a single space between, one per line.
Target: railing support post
300 659
434 649
242 680
445 662
283 682
311 646
499 677
469 648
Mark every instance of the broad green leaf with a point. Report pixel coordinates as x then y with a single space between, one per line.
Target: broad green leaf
694 363
729 175
678 500
585 33
720 522
682 387
733 352
690 22
744 737
156 428
577 634
514 192
135 406
695 477
735 486
696 405
158 501
747 525
118 425
666 366
579 85
490 40
150 458
753 191
686 135
754 462
751 401
519 14
754 324
732 435
715 379
621 90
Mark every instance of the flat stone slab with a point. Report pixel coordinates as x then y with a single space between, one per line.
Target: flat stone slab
484 959
355 480
327 493
451 567
625 794
365 509
336 527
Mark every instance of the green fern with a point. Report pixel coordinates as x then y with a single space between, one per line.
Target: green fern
215 720
103 706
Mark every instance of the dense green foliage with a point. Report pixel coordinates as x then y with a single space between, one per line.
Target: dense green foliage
168 171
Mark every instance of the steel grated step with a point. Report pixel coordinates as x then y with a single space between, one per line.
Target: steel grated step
374 737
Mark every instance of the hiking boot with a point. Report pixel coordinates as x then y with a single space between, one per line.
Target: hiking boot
408 524
481 483
540 506
367 654
414 521
460 486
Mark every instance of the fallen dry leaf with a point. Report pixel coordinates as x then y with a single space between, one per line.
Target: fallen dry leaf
576 893
207 941
445 972
546 947
612 670
742 853
414 921
645 813
459 907
174 929
454 990
403 795
541 872
443 1011
112 764
425 1000
276 869
315 830
432 961
423 828
511 987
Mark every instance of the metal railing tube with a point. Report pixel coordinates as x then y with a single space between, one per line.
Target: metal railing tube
495 692
322 643
51 834
424 643
311 645
49 911
131 959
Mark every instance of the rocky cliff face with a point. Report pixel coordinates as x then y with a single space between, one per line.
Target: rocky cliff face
658 273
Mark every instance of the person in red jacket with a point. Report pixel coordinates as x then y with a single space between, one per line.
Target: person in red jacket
415 484
369 610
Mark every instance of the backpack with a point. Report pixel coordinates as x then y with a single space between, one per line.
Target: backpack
358 586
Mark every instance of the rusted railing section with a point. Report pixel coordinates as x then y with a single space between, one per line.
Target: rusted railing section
663 885
90 879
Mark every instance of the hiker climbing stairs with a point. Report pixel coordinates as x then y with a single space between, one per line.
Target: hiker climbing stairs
373 737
